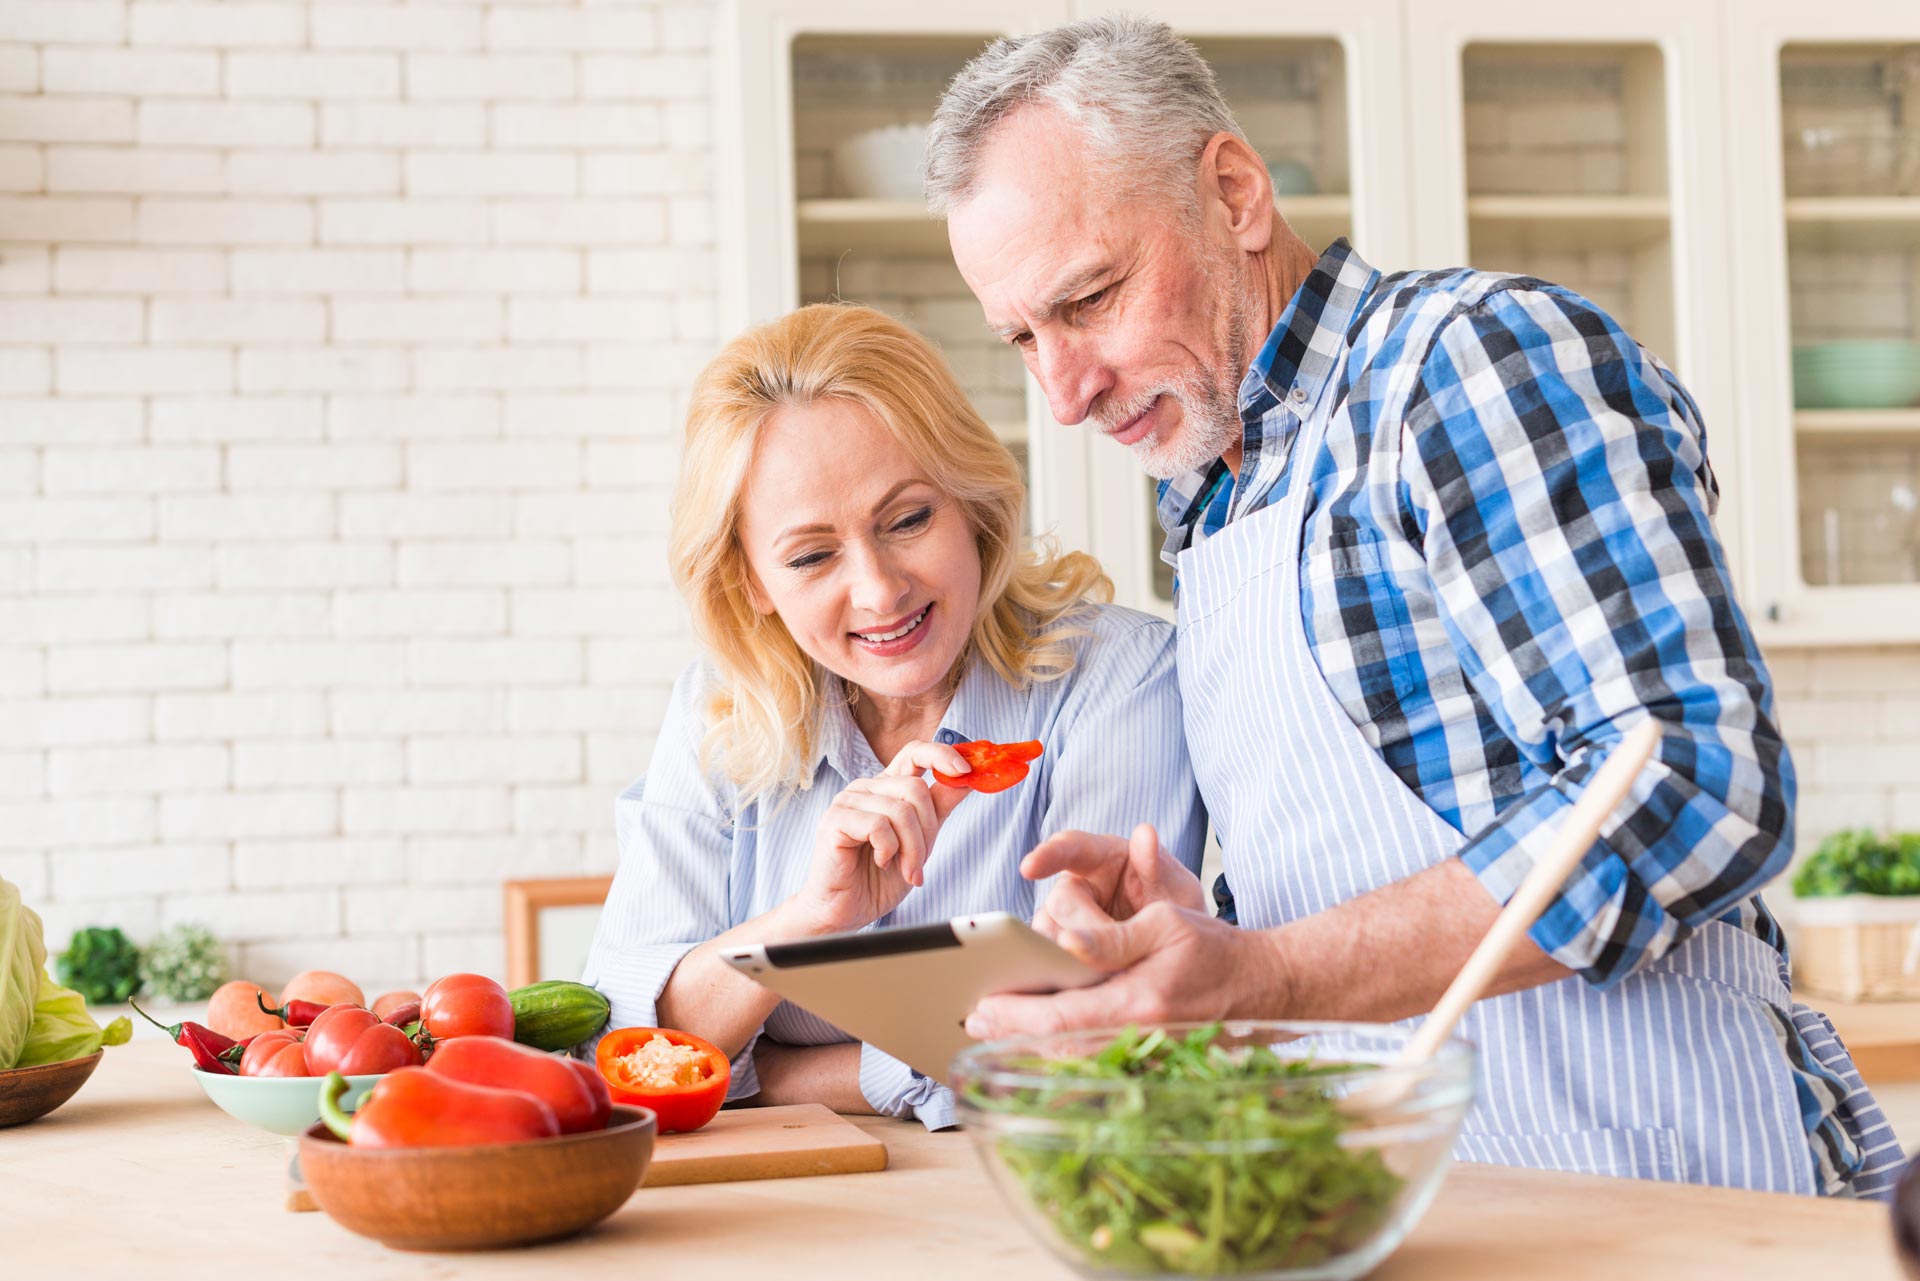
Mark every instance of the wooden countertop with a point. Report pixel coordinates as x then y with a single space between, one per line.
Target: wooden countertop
140 1175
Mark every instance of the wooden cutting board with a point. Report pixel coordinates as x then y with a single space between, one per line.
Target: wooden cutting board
765 1143
741 1143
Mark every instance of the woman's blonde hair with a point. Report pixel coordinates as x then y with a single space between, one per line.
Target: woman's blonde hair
763 717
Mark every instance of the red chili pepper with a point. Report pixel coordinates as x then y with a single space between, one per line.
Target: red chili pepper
401 1015
205 1044
996 766
621 1058
579 1101
414 1108
295 1013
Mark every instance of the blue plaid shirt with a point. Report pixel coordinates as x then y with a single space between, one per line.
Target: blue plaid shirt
1508 560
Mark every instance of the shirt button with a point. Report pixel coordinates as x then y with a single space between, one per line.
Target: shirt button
1298 395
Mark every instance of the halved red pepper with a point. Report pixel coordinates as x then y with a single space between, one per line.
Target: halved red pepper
996 766
579 1099
684 1090
414 1108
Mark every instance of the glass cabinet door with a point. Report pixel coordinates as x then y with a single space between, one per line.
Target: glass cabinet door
1850 165
1825 175
861 106
1566 174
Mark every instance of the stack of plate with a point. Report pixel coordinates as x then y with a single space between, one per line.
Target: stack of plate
1866 374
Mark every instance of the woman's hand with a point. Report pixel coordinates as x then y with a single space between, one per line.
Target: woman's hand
873 843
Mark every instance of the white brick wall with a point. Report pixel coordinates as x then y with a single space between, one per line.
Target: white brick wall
312 510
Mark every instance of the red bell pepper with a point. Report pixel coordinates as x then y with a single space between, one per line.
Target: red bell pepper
996 766
580 1101
414 1108
684 1090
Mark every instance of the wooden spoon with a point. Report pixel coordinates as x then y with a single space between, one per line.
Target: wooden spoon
1578 831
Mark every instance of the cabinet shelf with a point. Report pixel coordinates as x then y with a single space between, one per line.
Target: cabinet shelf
1854 222
1858 424
905 227
1570 222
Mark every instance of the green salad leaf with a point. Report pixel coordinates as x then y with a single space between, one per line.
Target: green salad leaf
1859 861
62 1029
1203 1181
23 960
101 963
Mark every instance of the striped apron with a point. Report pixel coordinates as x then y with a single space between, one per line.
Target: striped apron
1677 1073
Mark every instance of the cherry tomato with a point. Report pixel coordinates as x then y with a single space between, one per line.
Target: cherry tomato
680 1104
996 766
466 1005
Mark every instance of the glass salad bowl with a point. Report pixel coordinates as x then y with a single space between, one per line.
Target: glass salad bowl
1253 1149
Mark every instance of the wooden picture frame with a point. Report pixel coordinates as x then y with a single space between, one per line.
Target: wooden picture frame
526 900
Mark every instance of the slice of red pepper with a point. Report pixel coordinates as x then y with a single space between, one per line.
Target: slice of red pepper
678 1107
996 766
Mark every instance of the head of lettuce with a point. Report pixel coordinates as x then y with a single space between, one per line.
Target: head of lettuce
40 1021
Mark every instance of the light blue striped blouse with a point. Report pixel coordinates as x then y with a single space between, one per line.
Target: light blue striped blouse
694 862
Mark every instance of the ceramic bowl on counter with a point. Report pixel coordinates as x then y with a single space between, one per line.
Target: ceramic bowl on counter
479 1197
887 163
1294 1150
29 1093
283 1104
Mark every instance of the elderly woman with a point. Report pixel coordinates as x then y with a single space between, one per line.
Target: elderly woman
847 533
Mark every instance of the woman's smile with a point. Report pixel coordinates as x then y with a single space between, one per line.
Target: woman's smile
895 638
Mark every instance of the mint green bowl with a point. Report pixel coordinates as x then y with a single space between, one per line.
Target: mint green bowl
282 1104
1862 374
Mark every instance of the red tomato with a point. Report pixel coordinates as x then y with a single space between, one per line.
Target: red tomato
270 1047
350 1040
381 1048
466 1005
680 1107
996 766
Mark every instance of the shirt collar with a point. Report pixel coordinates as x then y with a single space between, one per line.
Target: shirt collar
1295 364
839 742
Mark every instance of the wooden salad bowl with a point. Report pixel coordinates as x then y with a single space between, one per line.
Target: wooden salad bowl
27 1094
479 1198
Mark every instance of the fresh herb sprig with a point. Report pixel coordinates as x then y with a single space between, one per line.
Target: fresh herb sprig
1858 861
1152 1177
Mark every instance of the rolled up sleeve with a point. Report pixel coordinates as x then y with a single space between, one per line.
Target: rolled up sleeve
1559 479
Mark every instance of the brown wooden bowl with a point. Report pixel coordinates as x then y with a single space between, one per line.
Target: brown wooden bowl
479 1198
26 1094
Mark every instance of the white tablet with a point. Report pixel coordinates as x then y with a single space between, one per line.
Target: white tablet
908 990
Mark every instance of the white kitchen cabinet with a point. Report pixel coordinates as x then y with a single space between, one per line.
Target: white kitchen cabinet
1825 230
1633 151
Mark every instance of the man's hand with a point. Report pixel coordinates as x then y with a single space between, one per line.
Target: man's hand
1104 879
1173 964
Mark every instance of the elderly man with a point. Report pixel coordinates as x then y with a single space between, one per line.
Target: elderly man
1441 539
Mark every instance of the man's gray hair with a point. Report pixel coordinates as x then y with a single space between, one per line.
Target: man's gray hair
1144 100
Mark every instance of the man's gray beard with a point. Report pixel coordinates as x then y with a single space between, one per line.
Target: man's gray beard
1210 415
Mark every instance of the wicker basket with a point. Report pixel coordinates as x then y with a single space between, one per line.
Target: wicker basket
1859 947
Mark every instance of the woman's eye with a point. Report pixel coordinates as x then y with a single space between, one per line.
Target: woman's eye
914 520
809 561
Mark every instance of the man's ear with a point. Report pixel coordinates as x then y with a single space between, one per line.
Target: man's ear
1233 177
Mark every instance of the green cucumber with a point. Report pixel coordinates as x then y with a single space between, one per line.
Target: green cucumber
557 1015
